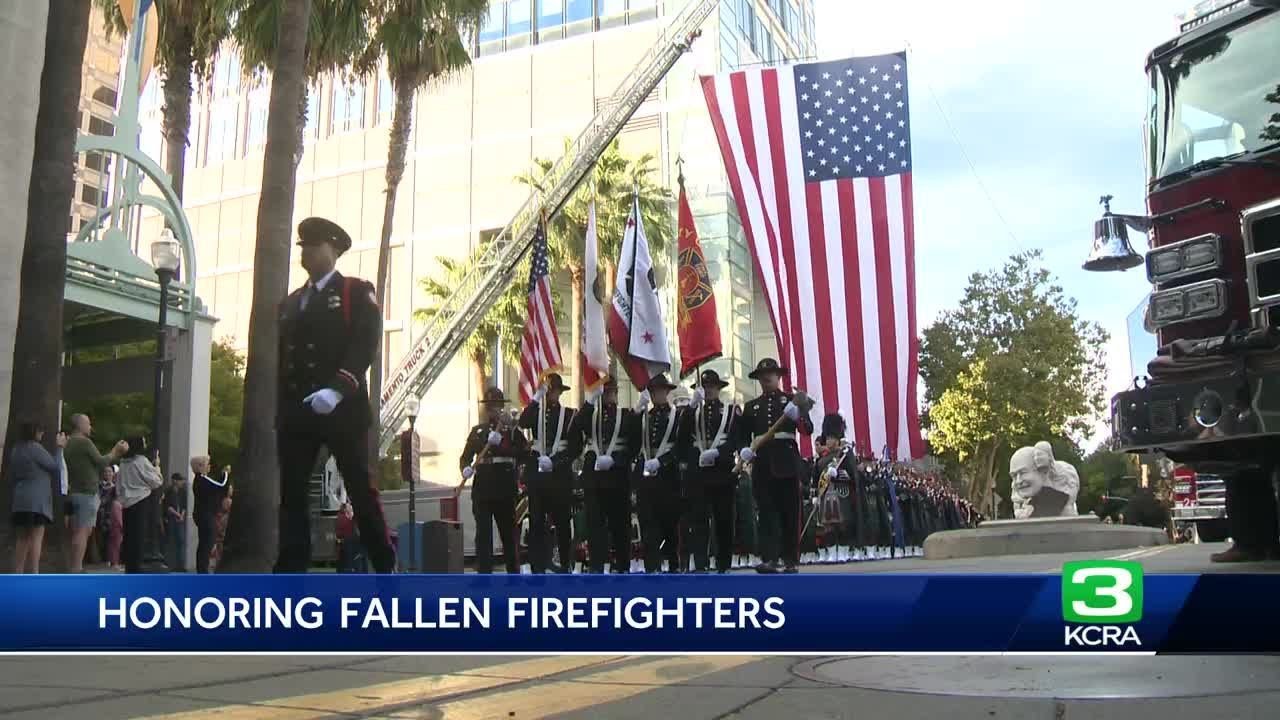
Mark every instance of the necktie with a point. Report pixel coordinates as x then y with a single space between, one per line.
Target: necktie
306 294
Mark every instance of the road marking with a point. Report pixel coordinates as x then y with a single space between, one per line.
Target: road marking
1142 553
364 700
587 691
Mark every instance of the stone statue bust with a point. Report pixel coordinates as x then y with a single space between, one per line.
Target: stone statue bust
1042 486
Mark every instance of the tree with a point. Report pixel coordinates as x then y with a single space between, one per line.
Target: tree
250 540
189 35
423 42
37 347
613 181
1011 366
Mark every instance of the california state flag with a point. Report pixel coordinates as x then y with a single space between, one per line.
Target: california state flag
636 333
595 356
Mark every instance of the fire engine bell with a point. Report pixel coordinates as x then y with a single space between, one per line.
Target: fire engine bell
1111 248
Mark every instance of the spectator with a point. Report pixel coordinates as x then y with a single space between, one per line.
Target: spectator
33 471
175 521
351 557
84 467
209 496
137 482
111 517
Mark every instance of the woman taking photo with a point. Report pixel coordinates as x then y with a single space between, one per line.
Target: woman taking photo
135 485
34 473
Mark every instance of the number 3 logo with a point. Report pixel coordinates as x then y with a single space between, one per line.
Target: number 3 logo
1102 591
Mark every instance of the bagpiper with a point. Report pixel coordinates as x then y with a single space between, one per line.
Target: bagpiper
329 330
548 475
708 432
777 467
607 433
490 455
658 482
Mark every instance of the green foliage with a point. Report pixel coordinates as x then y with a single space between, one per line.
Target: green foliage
387 472
504 322
1098 473
197 27
422 40
226 402
337 33
1013 364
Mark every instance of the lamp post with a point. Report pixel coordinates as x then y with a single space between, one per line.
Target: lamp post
164 258
411 405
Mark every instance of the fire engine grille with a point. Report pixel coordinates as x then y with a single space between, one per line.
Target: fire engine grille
1163 415
1261 230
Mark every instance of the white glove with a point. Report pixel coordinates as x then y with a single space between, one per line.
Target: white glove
792 411
651 467
699 397
540 393
604 463
545 464
593 397
708 457
468 472
643 402
324 401
745 455
832 473
495 438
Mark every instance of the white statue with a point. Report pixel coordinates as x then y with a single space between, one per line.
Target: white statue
1042 486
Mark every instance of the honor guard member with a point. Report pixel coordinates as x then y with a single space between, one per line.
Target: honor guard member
608 434
835 476
489 457
777 470
548 474
658 491
709 428
329 329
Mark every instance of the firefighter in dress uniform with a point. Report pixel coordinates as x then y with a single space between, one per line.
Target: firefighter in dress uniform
658 490
548 474
777 470
835 479
607 433
329 329
490 457
707 433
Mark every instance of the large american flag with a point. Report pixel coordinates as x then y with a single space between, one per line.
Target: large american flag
540 345
819 160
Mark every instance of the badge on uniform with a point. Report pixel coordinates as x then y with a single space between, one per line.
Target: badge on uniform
335 302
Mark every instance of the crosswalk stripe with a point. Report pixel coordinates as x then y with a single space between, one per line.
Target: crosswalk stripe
585 691
363 700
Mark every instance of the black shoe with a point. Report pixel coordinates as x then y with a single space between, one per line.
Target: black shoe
790 569
1237 554
767 568
724 571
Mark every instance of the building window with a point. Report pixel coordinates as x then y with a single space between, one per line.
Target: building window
576 10
386 98
348 107
105 95
92 195
96 161
98 126
259 104
519 17
493 24
312 130
226 75
222 133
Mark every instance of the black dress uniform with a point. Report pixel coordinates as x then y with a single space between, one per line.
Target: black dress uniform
605 429
710 487
328 335
835 492
550 493
658 496
777 469
493 488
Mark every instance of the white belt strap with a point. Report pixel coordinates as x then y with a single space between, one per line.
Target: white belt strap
784 436
719 439
557 444
665 446
596 422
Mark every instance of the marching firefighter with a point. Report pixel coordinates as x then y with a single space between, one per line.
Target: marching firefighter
548 475
707 432
658 483
489 457
773 419
607 432
329 329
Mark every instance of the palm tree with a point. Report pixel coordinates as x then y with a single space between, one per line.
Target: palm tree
189 35
613 181
423 42
37 348
250 540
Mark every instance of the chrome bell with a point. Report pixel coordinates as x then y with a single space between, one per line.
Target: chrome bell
1111 248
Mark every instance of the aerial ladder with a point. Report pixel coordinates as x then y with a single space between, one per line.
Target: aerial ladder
459 315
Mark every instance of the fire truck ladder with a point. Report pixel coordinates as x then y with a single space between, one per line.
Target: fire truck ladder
455 320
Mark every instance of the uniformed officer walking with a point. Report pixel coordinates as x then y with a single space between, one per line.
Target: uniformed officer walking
490 456
658 490
777 470
548 474
607 433
707 433
329 329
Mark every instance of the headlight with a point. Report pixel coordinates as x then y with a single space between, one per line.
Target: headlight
1188 257
1192 302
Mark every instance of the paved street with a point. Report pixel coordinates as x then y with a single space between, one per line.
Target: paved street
695 688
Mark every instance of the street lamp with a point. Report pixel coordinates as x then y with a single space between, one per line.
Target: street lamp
411 406
164 258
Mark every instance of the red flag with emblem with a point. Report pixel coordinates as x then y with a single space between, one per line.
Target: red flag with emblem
696 322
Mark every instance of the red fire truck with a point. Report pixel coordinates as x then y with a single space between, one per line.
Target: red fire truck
1199 506
1210 399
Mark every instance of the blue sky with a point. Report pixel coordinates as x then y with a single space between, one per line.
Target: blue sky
1047 99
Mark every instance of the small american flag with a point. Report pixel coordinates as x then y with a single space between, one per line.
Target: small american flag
540 345
819 160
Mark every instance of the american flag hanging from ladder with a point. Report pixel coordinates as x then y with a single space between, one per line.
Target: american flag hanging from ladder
819 160
540 345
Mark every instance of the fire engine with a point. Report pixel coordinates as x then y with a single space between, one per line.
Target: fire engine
1199 506
1210 399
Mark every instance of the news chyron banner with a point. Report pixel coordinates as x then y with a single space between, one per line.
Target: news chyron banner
1093 606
